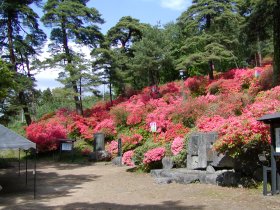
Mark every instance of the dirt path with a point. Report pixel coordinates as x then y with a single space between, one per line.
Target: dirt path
103 186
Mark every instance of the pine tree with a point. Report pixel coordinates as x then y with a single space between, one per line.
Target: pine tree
19 24
71 21
211 30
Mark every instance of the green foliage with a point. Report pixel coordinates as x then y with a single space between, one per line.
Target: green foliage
152 62
211 30
72 21
6 80
120 115
140 151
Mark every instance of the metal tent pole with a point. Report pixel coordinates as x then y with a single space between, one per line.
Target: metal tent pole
25 167
19 161
34 172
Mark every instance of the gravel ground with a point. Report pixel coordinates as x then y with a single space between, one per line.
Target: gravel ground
103 186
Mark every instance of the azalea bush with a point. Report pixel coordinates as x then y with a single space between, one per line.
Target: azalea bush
127 158
230 105
45 135
152 158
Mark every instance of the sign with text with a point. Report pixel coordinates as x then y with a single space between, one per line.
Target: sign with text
153 126
277 139
66 146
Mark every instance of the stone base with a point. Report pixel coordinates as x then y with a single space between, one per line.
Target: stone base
99 156
117 161
185 176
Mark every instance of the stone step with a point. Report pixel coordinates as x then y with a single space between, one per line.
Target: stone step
186 176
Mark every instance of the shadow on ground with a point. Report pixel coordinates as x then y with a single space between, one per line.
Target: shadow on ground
48 185
100 206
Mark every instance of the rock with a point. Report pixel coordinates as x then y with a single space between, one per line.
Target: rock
163 180
200 152
210 169
167 163
222 178
185 176
222 161
99 156
98 142
117 161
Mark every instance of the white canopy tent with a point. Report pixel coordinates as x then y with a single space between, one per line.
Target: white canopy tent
11 140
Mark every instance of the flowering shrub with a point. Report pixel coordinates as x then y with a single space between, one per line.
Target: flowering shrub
107 127
154 155
134 139
127 158
119 115
172 131
45 135
196 85
238 132
177 145
112 148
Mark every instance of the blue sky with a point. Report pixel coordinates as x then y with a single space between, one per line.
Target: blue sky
147 11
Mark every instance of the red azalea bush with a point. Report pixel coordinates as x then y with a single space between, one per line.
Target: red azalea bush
127 158
45 135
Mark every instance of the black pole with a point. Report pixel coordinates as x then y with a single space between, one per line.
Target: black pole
120 147
35 158
25 167
273 172
19 161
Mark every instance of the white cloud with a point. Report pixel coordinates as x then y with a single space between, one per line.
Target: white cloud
175 4
47 78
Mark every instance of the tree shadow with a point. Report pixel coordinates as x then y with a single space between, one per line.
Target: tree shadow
166 205
48 185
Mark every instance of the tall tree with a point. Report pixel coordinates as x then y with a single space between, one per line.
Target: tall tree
211 29
19 22
71 21
152 62
263 16
119 39
105 63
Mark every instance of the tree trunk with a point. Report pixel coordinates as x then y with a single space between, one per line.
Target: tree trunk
11 43
259 53
276 42
211 70
25 107
77 100
21 95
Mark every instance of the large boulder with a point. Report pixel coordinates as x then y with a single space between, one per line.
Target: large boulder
201 153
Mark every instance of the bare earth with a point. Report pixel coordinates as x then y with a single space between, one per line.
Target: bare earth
103 186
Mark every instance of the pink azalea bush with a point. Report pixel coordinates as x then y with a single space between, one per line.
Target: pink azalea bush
127 158
112 148
154 155
230 105
106 126
177 145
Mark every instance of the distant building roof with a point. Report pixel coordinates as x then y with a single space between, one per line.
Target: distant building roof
269 118
11 140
